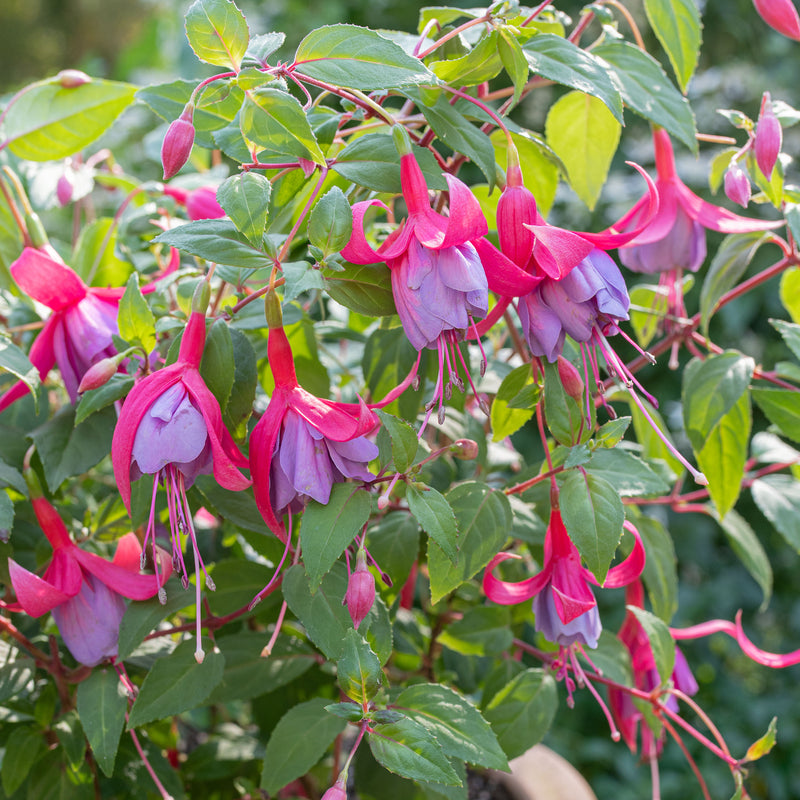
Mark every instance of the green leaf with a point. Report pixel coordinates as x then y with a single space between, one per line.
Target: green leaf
593 515
245 198
782 409
102 704
299 740
711 387
481 631
137 325
677 25
67 449
95 256
23 748
372 161
727 267
790 292
358 670
388 358
112 390
483 516
514 62
71 737
245 379
176 683
409 750
584 134
646 89
613 659
330 223
14 360
363 288
559 60
627 473
358 58
403 438
261 47
142 617
750 552
352 712
563 413
276 122
778 498
505 418
523 710
660 575
764 745
322 614
482 63
327 529
217 367
435 517
301 277
790 332
216 240
723 457
16 676
661 642
652 445
648 308
217 32
394 542
610 433
49 122
457 725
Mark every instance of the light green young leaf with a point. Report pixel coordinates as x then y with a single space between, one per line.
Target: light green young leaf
137 325
217 32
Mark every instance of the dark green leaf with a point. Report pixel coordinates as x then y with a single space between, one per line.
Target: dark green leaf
482 631
394 542
409 750
358 58
564 414
217 32
363 288
750 551
358 669
404 440
505 418
23 748
299 740
71 737
216 240
790 332
327 529
237 507
778 498
301 277
245 379
14 360
559 60
457 725
593 515
330 223
613 659
522 711
102 703
238 582
677 25
114 389
782 409
711 387
137 325
217 367
176 683
15 676
627 473
436 518
661 642
245 198
660 575
352 712
644 87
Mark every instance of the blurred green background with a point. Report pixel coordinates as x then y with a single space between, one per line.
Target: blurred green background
142 41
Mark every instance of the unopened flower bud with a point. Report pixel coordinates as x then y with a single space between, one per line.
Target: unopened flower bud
339 789
570 378
72 78
780 15
516 209
464 449
178 143
64 190
201 297
99 374
769 138
737 185
272 309
360 594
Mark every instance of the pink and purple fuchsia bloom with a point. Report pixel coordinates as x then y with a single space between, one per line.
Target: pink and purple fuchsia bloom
171 428
84 592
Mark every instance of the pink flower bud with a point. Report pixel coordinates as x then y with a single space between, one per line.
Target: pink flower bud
737 185
178 143
769 138
360 591
570 378
72 78
780 15
515 210
338 791
464 449
99 374
64 189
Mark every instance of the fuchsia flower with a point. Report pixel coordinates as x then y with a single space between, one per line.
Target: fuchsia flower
780 15
171 428
768 138
78 332
564 604
200 203
83 591
303 444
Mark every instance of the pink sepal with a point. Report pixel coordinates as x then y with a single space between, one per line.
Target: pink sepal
510 593
557 251
504 277
129 583
36 595
47 281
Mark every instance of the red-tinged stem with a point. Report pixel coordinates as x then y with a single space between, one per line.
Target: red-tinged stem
704 740
486 109
535 13
323 174
255 295
452 34
692 764
703 716
202 85
582 25
150 771
525 485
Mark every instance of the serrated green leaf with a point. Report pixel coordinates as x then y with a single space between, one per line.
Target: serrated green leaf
584 134
480 64
14 360
114 389
394 542
514 62
218 241
750 551
645 88
457 725
217 32
176 683
778 499
330 223
563 413
358 58
436 518
782 409
593 515
711 387
277 123
49 122
484 520
404 440
523 710
245 198
299 740
358 669
261 47
677 25
660 575
627 473
406 748
363 288
102 703
505 418
327 529
137 325
790 333
661 642
559 60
